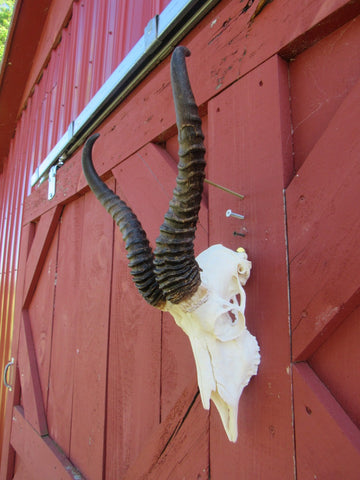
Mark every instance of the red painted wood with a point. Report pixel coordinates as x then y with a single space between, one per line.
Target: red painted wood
43 457
146 182
21 472
133 408
7 453
233 47
177 365
153 168
134 366
90 318
327 441
261 134
29 378
174 435
324 228
43 237
187 453
320 79
41 316
76 413
248 129
337 363
61 379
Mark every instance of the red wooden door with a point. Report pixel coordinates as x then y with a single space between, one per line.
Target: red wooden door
113 371
92 355
109 379
62 351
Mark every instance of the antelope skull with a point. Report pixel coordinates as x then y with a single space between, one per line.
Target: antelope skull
201 294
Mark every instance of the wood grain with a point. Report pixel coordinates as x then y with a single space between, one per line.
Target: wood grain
44 459
233 45
327 441
134 367
44 232
40 315
248 155
30 380
61 378
13 397
324 228
180 440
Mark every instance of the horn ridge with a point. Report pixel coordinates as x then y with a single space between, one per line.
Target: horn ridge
176 269
139 252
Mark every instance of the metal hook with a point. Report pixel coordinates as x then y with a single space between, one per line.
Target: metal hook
8 365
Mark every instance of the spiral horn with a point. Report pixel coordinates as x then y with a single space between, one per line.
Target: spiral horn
171 273
176 269
137 245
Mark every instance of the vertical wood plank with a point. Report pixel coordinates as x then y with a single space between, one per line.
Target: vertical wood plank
133 391
249 128
61 379
91 320
146 182
40 312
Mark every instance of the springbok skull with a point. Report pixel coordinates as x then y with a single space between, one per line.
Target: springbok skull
201 294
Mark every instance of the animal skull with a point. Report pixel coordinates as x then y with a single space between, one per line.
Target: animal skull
199 293
226 354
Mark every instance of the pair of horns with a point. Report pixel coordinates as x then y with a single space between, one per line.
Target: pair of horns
170 273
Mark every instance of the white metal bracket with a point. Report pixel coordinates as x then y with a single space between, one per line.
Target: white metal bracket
52 179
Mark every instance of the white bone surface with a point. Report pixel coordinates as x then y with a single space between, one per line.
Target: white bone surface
226 354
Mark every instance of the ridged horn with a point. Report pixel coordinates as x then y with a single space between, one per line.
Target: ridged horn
137 245
176 269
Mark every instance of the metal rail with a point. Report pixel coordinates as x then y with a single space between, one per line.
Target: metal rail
161 35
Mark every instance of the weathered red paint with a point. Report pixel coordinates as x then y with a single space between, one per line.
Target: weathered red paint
265 408
116 377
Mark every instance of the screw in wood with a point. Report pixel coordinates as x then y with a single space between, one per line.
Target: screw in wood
229 213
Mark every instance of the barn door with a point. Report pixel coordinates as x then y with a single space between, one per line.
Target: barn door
324 236
116 380
113 379
185 444
110 380
59 412
99 370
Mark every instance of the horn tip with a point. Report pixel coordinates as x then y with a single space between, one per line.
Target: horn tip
92 139
183 50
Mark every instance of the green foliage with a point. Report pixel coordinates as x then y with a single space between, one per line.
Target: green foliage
6 10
